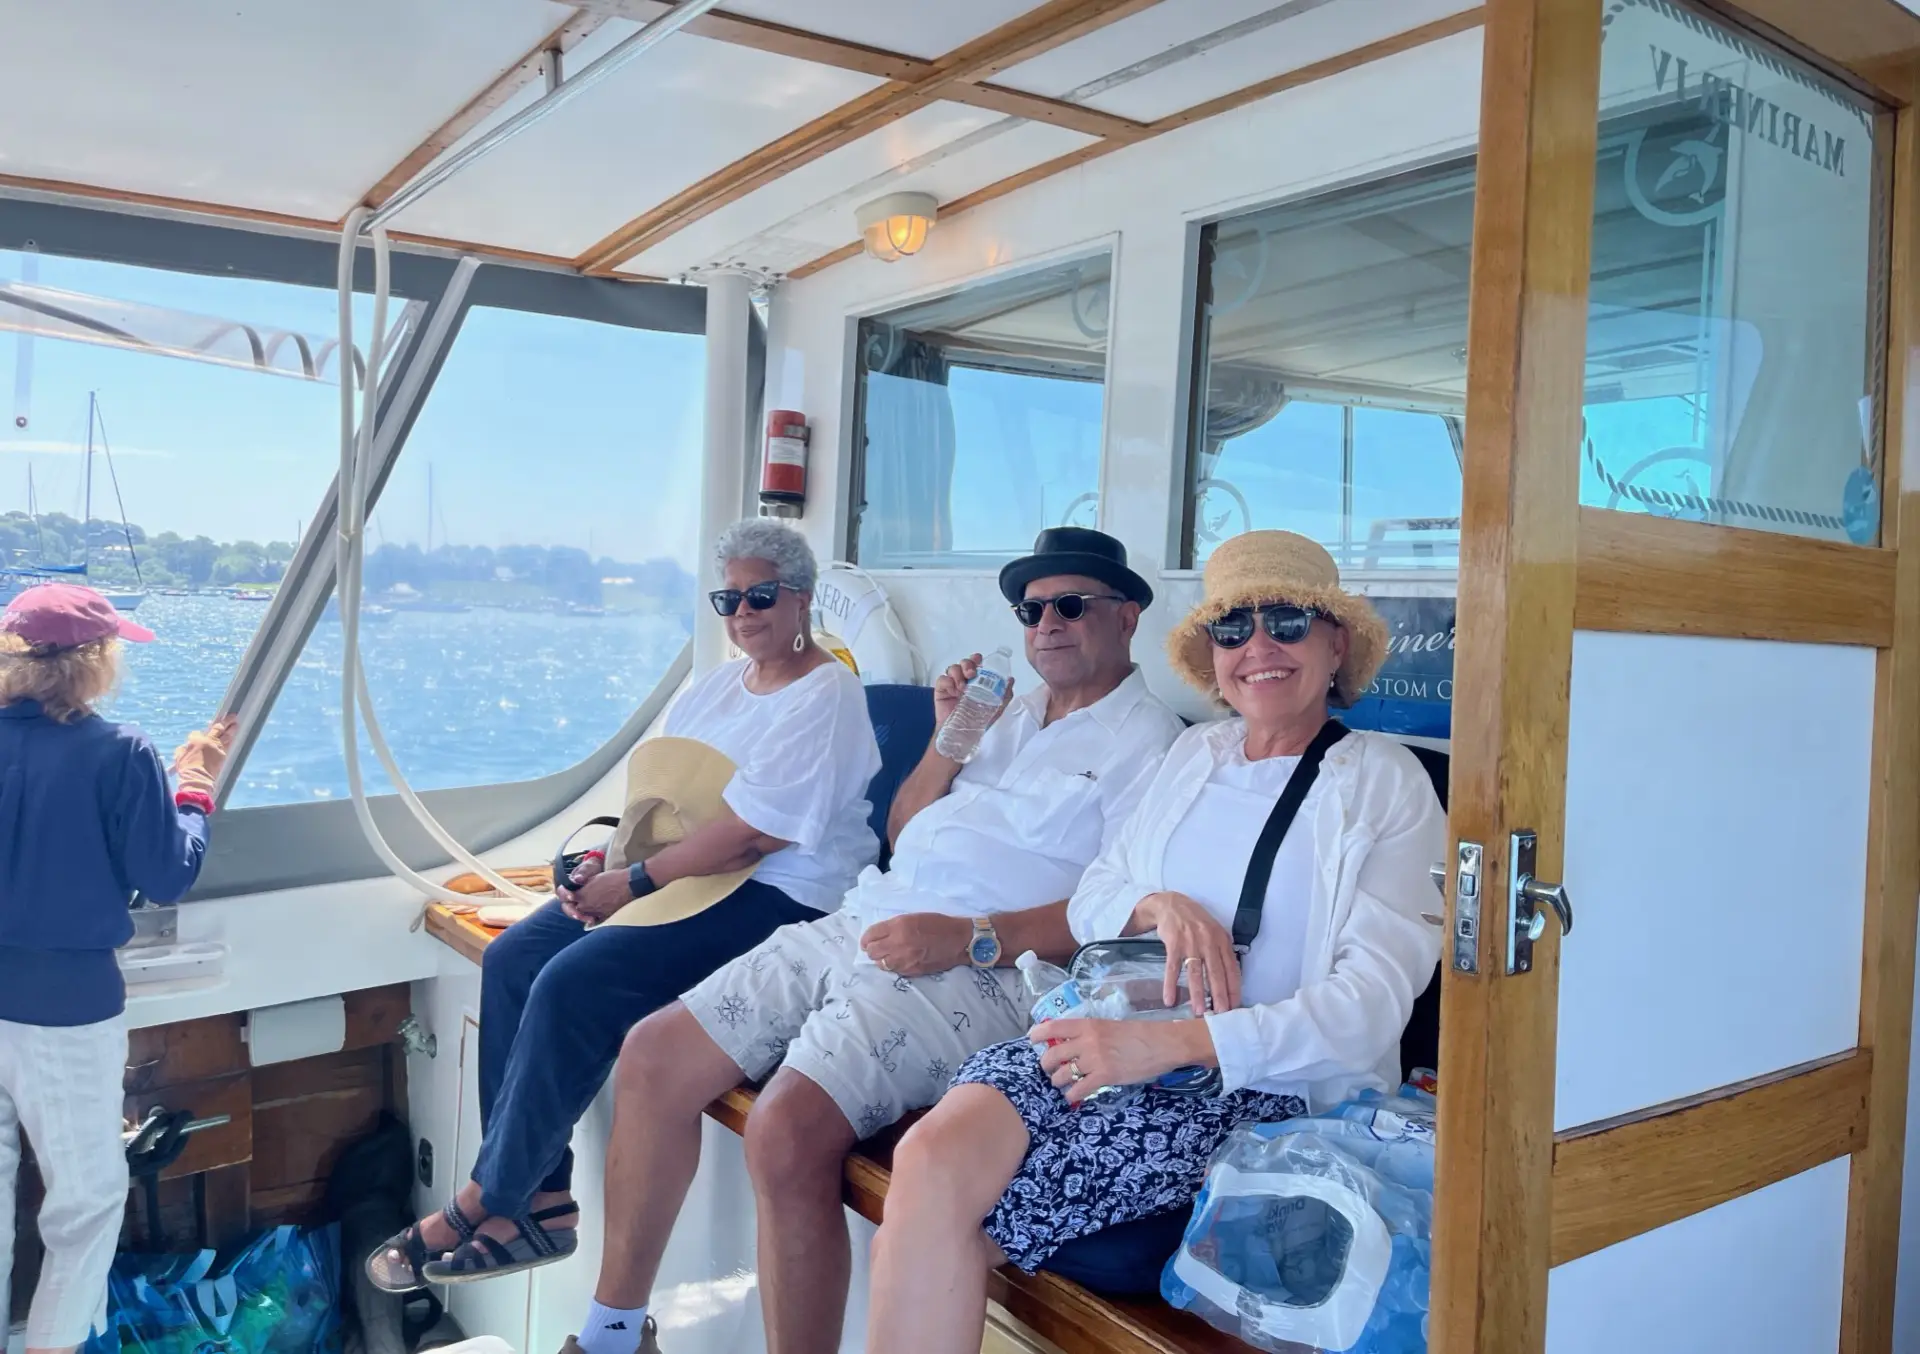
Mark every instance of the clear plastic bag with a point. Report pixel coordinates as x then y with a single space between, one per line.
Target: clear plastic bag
1316 1233
278 1295
1121 988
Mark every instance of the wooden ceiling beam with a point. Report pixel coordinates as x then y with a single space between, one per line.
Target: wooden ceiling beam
1077 117
1040 30
481 106
1319 70
766 36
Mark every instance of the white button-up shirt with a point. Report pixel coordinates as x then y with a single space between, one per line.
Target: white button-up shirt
1025 817
1372 935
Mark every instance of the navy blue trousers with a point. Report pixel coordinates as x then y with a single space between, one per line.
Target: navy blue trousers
556 1002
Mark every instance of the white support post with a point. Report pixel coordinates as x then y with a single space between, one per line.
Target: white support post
723 484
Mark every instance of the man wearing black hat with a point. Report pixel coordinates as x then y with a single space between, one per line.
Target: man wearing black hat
867 1012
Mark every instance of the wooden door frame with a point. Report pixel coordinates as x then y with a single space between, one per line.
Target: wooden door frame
1534 566
1519 518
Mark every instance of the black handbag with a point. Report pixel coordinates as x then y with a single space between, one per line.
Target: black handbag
1091 958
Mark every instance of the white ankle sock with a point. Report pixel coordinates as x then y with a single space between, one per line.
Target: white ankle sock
610 1330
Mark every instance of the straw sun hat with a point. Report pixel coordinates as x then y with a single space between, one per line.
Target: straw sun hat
1259 567
674 786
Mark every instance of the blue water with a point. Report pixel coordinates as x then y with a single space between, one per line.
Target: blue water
470 698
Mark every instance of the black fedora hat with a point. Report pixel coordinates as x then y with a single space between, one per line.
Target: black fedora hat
1075 550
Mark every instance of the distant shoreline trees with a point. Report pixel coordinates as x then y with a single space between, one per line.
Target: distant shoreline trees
471 573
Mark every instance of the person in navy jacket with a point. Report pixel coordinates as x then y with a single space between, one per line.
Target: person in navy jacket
87 819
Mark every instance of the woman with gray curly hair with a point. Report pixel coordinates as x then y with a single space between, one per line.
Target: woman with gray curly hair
560 992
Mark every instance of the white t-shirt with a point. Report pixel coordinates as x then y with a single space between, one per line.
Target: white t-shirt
803 756
1027 815
1207 859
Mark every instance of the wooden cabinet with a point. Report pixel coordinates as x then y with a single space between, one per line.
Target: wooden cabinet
286 1126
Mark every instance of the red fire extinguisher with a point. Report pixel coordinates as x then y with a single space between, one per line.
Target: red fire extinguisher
783 470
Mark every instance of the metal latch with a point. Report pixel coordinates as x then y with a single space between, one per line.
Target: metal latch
1466 908
1527 898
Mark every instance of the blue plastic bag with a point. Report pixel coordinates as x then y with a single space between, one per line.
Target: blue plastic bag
1317 1232
278 1295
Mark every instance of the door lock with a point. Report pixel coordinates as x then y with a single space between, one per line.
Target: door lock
1466 907
1528 900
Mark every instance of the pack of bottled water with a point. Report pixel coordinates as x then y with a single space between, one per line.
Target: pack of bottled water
1317 1232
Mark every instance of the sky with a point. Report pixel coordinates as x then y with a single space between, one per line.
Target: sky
540 430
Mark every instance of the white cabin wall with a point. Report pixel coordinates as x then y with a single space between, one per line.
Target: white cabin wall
1716 856
1142 202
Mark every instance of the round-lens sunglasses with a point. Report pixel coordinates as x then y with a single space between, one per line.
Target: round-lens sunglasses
1068 606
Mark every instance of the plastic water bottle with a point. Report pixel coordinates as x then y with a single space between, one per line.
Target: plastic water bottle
1038 976
959 738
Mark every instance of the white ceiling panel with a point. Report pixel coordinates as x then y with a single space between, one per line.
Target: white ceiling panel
1184 52
255 103
683 111
852 175
925 28
810 212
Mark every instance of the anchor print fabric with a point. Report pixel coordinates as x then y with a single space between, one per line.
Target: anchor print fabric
878 1043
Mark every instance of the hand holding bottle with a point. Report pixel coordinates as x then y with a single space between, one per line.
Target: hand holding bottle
967 699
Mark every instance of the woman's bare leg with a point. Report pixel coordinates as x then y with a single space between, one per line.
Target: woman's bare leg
931 1260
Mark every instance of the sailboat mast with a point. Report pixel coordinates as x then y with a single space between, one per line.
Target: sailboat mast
33 514
126 528
429 507
86 518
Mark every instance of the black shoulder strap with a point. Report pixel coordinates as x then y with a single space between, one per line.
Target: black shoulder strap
1253 890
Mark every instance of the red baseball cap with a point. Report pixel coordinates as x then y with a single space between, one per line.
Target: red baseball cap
65 616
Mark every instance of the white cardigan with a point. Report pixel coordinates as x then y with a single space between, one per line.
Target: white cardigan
1370 946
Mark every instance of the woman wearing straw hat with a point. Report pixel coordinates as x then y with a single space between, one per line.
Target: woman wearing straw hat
1004 1169
762 777
87 818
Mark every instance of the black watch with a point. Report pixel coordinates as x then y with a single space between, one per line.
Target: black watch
639 882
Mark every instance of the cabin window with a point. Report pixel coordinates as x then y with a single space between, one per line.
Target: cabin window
979 419
1329 378
1736 334
1736 337
531 564
210 406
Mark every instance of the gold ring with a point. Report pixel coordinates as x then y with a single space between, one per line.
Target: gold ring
1073 1066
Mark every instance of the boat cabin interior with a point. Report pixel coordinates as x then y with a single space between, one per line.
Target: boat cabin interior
428 348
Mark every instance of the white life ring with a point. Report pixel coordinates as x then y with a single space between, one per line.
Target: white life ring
854 621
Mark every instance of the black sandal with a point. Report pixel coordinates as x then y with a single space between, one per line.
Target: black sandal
481 1257
396 1267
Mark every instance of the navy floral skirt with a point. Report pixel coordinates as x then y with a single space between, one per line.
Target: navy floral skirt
1095 1167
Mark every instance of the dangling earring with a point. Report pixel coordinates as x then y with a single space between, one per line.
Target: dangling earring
800 642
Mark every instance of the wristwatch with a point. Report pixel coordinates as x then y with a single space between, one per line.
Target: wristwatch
983 951
639 882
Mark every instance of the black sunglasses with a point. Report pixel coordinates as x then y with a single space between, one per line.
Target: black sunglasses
761 596
1284 625
1068 606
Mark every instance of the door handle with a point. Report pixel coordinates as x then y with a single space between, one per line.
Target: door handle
1544 896
1528 900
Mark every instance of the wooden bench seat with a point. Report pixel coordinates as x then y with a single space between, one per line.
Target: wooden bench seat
1078 1321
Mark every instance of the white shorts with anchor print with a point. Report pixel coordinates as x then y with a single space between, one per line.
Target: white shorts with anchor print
879 1044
